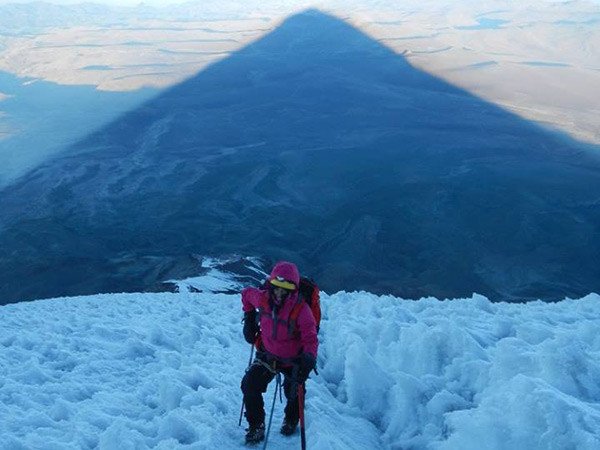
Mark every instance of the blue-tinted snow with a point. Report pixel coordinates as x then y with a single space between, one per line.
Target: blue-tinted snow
163 370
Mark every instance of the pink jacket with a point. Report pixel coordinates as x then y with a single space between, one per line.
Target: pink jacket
279 342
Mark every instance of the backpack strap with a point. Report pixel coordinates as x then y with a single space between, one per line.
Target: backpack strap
293 317
263 310
265 306
315 307
308 293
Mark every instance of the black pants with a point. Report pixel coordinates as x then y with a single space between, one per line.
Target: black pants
255 383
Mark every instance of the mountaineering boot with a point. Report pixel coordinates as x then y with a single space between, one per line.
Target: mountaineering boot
288 427
254 434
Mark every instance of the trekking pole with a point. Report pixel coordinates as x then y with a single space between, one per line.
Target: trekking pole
301 414
249 363
277 386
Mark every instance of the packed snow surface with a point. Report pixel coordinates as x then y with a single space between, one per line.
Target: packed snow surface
163 371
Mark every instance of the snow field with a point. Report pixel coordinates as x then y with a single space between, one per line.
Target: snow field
120 372
467 373
162 371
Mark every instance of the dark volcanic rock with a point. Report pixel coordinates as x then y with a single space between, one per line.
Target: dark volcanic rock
318 145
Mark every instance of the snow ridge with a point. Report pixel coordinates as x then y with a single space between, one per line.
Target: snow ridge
163 370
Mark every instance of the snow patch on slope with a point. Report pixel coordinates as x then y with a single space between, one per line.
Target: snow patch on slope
227 274
163 370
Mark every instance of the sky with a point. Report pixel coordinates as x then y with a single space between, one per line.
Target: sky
161 3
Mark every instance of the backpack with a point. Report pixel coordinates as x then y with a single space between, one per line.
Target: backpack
308 292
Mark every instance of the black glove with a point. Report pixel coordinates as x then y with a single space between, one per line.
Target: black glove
250 326
306 364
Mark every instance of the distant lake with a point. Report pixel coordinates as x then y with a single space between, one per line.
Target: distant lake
41 117
545 64
485 23
591 21
408 38
97 68
483 64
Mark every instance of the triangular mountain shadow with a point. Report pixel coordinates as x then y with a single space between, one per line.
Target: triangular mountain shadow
318 145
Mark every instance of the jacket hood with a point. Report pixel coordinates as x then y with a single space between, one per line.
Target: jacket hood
286 270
